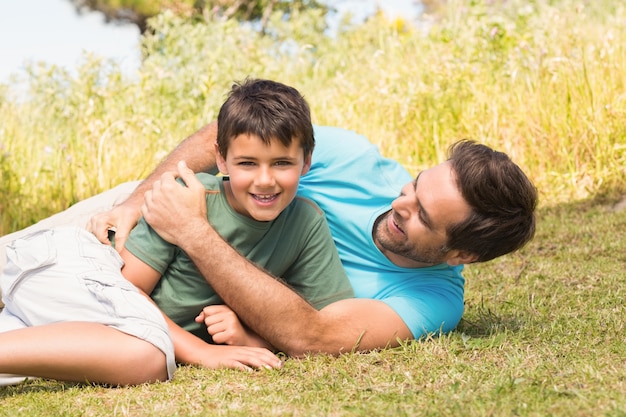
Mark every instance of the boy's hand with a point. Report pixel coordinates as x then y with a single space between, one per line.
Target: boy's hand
225 328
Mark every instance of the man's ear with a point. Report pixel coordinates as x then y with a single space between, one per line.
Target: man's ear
460 257
220 161
307 164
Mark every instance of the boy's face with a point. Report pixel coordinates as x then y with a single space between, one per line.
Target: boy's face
263 179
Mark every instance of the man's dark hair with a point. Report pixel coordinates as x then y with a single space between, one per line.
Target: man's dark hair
267 109
502 198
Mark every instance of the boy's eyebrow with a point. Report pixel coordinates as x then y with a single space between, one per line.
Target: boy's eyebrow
281 157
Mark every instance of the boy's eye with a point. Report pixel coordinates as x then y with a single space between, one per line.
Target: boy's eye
246 163
283 163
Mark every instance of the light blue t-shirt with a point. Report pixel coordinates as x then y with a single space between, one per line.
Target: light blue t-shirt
354 184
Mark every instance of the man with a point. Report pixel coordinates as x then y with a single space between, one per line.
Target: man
403 254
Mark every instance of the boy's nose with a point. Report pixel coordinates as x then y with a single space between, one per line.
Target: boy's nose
265 177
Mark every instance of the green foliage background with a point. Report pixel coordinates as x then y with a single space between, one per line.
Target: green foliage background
541 80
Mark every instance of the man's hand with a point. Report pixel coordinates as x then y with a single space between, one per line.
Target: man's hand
176 211
121 218
225 328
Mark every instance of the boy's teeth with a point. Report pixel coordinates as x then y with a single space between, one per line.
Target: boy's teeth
265 196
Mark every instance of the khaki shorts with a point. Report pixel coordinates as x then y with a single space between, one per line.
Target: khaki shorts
66 274
77 215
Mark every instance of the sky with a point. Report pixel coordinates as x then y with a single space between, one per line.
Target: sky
50 31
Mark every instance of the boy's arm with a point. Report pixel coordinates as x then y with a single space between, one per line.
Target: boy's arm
188 348
140 274
198 151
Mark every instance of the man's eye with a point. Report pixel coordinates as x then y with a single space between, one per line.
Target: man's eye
422 219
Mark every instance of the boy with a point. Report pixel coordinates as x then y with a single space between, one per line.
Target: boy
265 141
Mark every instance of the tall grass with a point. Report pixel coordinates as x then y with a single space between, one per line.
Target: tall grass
542 80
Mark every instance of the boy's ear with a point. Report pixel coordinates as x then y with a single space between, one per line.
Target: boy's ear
307 164
458 257
220 161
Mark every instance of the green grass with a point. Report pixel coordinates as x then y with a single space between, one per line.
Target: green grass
543 335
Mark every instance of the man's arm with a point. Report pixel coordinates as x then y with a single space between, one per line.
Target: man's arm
260 300
198 151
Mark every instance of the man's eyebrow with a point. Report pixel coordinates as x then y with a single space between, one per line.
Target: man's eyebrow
421 210
415 180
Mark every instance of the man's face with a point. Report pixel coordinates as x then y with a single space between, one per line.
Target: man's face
413 233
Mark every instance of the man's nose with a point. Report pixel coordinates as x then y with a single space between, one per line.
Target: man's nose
401 205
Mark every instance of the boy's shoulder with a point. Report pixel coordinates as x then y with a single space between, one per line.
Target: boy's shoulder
303 206
210 181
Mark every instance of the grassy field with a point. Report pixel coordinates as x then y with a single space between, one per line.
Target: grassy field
543 335
543 331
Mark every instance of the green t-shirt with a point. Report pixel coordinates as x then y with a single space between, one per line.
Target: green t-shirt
297 247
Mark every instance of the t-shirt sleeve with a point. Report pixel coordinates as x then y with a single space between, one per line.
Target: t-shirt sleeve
428 311
317 274
145 243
